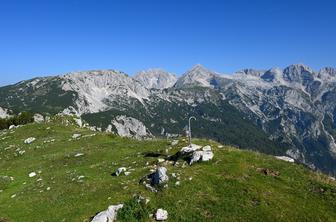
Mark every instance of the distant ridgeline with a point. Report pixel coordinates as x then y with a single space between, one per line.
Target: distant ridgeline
290 111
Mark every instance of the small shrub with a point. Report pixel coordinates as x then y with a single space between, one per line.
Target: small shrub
134 210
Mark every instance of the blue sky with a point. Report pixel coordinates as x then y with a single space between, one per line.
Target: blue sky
48 37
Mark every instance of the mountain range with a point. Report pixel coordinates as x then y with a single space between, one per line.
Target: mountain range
290 111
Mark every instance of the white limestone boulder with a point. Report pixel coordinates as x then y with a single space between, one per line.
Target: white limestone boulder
32 174
76 136
38 118
29 140
78 121
196 156
108 215
189 149
205 154
160 176
161 215
4 113
119 171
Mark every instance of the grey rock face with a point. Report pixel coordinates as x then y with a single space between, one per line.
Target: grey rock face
38 118
131 127
156 79
4 113
97 89
160 176
299 74
198 76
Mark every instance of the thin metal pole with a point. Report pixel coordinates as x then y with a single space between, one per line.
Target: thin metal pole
189 130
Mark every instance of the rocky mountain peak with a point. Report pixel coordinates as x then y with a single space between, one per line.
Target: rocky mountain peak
156 78
96 88
298 73
272 75
198 75
251 72
327 72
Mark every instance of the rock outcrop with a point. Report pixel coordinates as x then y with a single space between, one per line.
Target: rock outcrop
131 127
4 113
38 118
156 79
160 176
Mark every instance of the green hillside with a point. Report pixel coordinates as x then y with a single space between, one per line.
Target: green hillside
235 186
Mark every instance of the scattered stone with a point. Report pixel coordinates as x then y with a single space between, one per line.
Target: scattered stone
12 127
48 188
21 152
76 136
285 158
177 183
174 142
49 141
150 188
161 215
127 173
160 176
220 146
79 154
81 177
183 165
141 199
189 149
13 196
190 178
108 215
32 174
119 171
29 140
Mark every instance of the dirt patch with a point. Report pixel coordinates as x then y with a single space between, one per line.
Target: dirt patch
268 172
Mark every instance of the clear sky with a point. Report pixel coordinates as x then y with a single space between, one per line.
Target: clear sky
48 37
